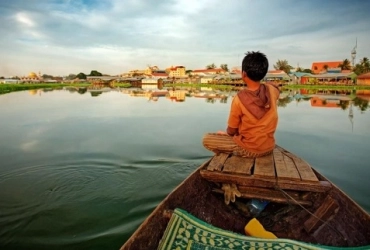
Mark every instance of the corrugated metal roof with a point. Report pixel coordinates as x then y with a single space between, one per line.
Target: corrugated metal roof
280 75
300 74
335 75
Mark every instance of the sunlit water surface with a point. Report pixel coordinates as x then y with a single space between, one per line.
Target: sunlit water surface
82 172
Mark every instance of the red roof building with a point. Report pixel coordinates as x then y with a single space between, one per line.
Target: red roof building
364 79
318 67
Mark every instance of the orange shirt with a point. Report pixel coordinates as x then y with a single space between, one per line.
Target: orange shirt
256 136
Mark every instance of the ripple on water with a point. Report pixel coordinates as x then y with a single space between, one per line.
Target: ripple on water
83 202
60 199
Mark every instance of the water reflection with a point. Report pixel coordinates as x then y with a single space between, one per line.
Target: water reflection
95 93
82 90
361 103
179 95
327 98
318 98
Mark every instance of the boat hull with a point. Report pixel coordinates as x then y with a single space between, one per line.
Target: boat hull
349 227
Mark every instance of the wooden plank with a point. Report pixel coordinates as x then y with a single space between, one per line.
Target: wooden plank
252 181
304 169
293 194
217 162
285 167
325 212
237 164
268 195
264 167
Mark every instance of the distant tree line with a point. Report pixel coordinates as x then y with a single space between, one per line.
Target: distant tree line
222 66
83 75
362 67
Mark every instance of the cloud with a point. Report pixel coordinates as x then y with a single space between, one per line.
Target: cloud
62 37
24 19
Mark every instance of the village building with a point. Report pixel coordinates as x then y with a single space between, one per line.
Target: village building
159 75
300 77
236 70
138 72
205 79
204 72
276 76
176 71
324 67
10 81
334 78
32 78
363 79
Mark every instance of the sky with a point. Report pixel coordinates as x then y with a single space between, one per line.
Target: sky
62 37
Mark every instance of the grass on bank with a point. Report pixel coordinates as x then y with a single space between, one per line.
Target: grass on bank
8 88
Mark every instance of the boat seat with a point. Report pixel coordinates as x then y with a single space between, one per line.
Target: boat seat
274 177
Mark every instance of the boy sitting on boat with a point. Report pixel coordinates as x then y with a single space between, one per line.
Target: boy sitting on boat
253 115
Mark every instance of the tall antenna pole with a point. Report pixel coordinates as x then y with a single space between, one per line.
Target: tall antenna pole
353 54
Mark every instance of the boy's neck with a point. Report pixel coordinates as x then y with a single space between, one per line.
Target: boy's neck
252 85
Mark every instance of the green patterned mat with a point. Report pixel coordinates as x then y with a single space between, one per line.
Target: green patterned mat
186 232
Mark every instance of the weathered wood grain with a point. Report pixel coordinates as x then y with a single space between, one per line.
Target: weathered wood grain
328 209
285 167
217 162
237 164
273 195
304 169
251 181
264 167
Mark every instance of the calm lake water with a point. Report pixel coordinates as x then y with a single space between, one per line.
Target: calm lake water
82 171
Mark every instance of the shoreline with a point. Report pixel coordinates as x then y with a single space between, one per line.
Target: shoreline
8 88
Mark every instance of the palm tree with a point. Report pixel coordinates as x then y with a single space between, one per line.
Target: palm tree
365 63
211 66
358 69
326 67
345 65
224 67
283 65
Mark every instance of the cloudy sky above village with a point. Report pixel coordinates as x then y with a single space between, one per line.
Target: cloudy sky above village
60 37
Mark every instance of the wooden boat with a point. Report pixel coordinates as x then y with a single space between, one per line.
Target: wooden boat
304 205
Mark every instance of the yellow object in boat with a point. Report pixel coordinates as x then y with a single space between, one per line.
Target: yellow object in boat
254 228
